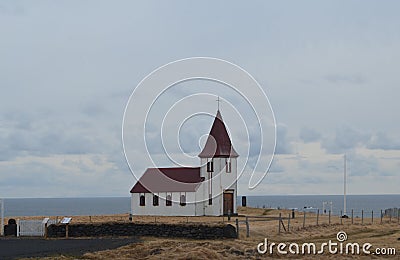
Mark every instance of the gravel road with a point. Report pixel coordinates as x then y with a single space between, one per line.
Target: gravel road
14 248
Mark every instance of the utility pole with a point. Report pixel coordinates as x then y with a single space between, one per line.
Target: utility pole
344 187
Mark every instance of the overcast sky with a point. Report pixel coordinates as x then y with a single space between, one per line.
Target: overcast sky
330 70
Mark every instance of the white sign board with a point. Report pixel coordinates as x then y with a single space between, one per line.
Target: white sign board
66 220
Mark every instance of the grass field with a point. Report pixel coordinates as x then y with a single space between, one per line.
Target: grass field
383 235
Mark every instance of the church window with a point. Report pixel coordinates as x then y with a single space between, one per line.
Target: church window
142 200
168 202
210 166
183 200
228 165
155 200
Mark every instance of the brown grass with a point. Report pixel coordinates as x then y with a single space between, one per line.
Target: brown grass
379 235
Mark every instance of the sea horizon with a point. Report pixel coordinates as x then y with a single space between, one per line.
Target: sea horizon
91 206
239 195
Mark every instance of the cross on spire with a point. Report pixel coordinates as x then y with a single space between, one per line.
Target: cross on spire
218 100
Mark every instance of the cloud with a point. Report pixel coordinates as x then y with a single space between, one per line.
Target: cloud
44 141
283 145
65 83
43 133
347 79
309 135
345 139
63 175
276 167
360 165
383 141
11 9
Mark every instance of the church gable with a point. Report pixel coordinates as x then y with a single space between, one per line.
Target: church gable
218 142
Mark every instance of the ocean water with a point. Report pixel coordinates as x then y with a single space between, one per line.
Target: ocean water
119 205
357 203
66 206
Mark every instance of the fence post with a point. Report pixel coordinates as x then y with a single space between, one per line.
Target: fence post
352 216
288 223
66 231
17 227
381 216
398 216
341 218
372 217
390 216
237 228
304 219
362 217
247 227
279 222
317 216
329 217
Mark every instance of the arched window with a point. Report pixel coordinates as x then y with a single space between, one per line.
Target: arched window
155 200
228 165
183 200
210 166
142 200
168 202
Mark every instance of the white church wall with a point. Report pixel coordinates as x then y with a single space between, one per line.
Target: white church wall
229 181
162 209
215 209
201 198
222 180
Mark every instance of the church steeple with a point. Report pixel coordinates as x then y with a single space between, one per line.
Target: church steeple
218 142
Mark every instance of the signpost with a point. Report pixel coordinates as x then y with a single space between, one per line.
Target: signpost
325 204
66 222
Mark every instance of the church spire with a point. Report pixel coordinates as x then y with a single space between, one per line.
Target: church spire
218 142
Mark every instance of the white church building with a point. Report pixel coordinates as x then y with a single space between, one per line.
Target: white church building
208 190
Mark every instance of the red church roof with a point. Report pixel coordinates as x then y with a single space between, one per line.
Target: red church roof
182 179
218 142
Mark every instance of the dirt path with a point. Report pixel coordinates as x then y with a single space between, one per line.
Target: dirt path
13 248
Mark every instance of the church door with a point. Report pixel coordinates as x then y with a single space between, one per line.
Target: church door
228 202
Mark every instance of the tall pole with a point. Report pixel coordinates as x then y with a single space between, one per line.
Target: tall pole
344 187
